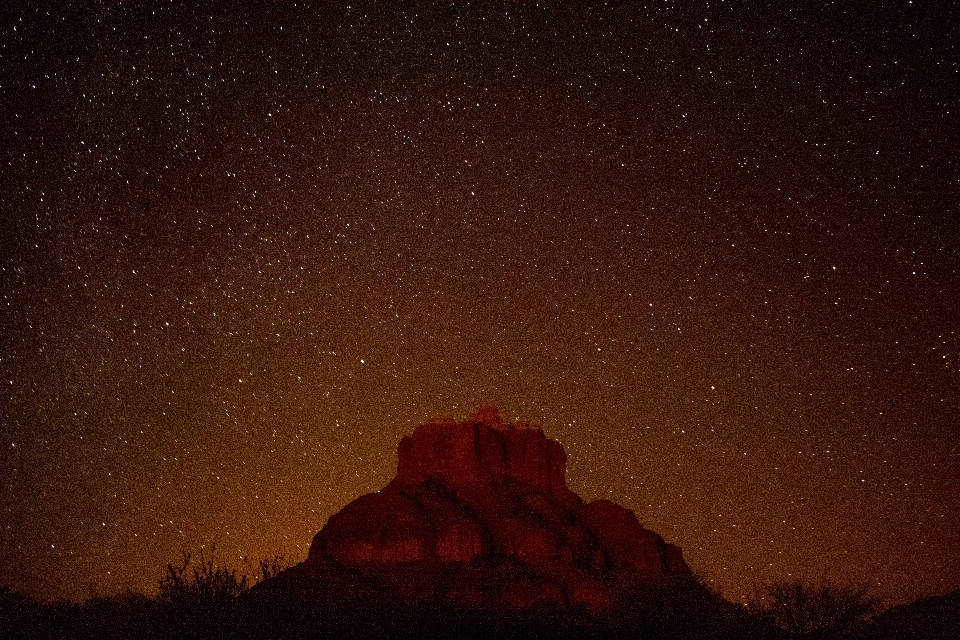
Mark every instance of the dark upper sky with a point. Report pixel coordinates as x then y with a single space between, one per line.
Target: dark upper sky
712 251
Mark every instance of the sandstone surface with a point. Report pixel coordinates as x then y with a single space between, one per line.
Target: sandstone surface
479 514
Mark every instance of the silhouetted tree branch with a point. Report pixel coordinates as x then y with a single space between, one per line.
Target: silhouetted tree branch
820 612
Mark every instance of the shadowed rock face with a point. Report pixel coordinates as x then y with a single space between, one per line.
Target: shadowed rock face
479 514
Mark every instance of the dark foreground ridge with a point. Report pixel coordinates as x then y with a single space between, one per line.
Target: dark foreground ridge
477 536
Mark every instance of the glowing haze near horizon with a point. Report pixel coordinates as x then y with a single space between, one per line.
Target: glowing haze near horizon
714 252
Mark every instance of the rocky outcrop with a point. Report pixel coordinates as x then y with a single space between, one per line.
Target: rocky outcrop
479 514
485 451
627 544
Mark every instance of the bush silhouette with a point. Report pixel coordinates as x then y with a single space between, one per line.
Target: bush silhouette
203 584
819 612
197 599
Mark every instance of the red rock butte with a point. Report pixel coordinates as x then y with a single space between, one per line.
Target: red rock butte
479 514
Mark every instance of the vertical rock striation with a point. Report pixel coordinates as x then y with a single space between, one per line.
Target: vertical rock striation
484 451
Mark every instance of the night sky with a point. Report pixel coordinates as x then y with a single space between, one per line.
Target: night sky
715 252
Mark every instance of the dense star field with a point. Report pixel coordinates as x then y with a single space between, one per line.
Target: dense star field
712 251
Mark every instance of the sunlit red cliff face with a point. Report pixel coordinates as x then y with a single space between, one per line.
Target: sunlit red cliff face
479 514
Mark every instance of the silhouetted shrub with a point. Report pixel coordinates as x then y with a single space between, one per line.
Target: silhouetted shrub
684 609
819 612
270 568
203 584
197 599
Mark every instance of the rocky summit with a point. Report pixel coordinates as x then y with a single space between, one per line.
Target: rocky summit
479 514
